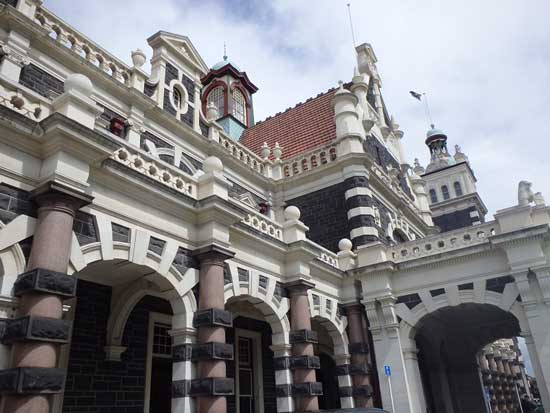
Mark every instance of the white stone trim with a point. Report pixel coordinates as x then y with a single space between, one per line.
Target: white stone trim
354 212
360 190
357 232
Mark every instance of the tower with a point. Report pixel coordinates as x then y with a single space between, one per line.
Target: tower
230 91
451 184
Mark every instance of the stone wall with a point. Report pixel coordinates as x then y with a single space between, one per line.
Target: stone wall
455 220
93 383
325 213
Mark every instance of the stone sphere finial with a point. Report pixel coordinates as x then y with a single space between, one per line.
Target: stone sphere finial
80 83
277 151
265 151
212 164
138 58
292 213
345 245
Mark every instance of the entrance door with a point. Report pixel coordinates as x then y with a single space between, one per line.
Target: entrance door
248 372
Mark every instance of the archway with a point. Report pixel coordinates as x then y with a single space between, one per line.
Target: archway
449 340
327 374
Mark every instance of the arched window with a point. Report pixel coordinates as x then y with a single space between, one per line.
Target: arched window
458 189
433 196
216 96
239 106
178 100
445 192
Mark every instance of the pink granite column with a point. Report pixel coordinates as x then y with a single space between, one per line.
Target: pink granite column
42 290
360 363
211 319
302 339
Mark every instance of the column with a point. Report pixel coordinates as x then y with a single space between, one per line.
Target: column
360 368
345 382
303 362
183 372
38 331
283 377
362 219
211 351
410 356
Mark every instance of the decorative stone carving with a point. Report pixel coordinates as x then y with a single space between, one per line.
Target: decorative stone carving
138 58
526 195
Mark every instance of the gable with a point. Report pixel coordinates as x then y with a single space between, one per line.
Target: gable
181 48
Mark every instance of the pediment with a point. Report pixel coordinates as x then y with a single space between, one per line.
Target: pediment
248 199
181 48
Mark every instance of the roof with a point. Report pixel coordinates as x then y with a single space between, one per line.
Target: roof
305 126
224 62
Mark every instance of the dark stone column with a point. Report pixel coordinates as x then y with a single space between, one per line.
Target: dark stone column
360 211
303 362
211 319
360 367
39 330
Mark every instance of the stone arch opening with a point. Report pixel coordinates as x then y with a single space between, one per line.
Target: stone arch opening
448 341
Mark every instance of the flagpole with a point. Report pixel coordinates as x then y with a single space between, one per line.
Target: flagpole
351 25
427 106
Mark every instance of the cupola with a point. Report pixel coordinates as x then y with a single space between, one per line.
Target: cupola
227 88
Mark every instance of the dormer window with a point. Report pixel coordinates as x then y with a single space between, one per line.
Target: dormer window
216 96
239 106
445 192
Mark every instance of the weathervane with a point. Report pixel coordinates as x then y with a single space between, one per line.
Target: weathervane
224 51
419 96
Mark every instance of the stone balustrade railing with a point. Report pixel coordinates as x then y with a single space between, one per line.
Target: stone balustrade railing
81 45
154 169
309 160
25 102
244 155
328 257
445 242
264 224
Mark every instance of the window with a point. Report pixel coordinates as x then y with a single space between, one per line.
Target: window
216 96
178 100
433 196
445 192
458 189
239 106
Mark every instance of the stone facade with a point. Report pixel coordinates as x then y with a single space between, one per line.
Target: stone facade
152 262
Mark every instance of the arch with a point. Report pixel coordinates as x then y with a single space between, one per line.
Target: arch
326 313
433 196
179 97
445 192
238 86
273 308
209 88
12 259
457 188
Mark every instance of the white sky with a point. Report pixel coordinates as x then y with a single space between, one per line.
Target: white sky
485 64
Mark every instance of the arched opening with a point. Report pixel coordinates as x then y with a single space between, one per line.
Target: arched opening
253 367
121 347
327 374
449 341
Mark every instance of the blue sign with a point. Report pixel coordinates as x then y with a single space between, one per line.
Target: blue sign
387 371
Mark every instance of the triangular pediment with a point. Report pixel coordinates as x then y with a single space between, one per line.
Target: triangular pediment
248 199
181 48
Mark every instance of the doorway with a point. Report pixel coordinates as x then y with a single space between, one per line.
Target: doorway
248 372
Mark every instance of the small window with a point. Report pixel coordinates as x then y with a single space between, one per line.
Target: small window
458 189
445 192
162 342
216 96
178 100
239 106
433 196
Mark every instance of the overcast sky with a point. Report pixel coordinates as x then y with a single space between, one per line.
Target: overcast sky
485 65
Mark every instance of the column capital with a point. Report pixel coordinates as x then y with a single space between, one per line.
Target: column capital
213 254
53 193
298 287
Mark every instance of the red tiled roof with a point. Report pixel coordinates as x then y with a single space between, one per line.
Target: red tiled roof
299 129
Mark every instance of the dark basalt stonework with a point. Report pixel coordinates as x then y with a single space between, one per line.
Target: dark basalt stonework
237 190
182 352
40 81
362 391
32 380
360 369
304 362
212 351
383 157
342 370
180 388
215 386
95 384
204 128
167 105
307 389
159 143
120 233
184 260
455 220
14 202
33 328
358 348
325 213
303 336
410 300
149 89
345 391
498 284
156 245
213 317
170 74
85 228
10 2
188 117
45 281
